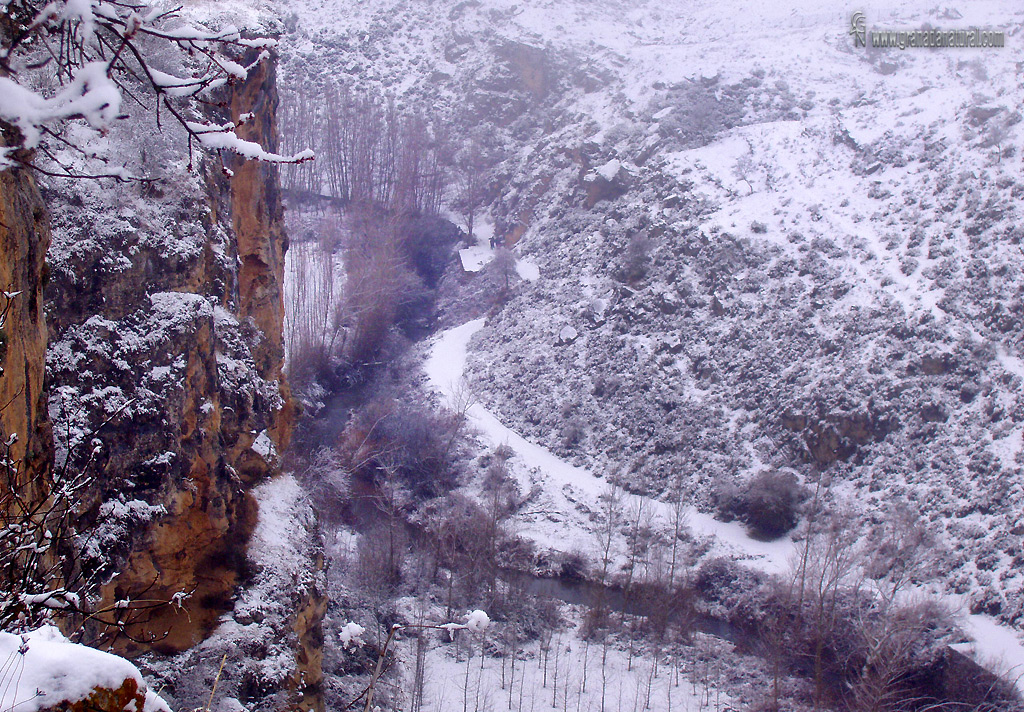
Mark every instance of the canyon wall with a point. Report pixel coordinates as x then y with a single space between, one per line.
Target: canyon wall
164 372
24 238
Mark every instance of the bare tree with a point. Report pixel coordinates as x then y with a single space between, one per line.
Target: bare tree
376 278
893 633
824 574
897 552
893 640
314 308
471 166
504 265
368 151
609 516
638 541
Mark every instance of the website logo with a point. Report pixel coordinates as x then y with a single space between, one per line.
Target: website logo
927 38
859 30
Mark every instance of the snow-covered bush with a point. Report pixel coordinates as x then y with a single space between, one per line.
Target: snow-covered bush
44 670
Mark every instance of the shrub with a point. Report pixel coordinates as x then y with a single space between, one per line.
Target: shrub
573 566
504 452
637 258
724 584
770 503
428 242
413 441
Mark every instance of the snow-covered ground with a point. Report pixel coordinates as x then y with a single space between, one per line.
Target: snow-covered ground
568 494
575 675
477 256
995 646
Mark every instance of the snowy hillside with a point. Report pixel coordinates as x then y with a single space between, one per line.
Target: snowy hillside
807 303
748 249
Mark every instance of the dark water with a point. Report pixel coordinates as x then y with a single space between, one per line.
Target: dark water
588 593
325 428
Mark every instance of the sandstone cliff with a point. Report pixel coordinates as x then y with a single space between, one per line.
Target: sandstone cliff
24 238
165 374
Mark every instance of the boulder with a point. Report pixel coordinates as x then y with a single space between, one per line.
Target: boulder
606 182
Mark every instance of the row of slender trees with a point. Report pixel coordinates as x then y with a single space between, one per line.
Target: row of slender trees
371 152
367 150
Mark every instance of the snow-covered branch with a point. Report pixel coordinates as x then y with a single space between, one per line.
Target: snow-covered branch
97 47
476 622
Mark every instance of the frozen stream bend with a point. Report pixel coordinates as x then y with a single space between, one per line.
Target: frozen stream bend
565 494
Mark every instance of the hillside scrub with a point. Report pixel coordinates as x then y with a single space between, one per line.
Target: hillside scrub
769 503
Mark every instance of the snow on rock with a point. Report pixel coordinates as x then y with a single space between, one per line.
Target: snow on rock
264 447
277 613
475 258
43 669
567 335
609 170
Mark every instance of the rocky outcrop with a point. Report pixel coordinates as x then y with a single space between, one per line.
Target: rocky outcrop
166 372
272 641
529 67
24 238
257 217
836 436
607 182
128 695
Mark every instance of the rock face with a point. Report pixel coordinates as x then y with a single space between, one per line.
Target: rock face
529 67
166 370
606 182
24 238
106 699
272 642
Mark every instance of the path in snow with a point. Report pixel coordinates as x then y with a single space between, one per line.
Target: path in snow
570 491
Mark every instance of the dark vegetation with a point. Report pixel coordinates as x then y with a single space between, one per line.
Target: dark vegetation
362 279
769 503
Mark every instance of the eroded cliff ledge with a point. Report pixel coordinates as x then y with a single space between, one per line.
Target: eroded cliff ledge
165 367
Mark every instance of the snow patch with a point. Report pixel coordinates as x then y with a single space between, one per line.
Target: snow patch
475 258
528 271
43 669
264 447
